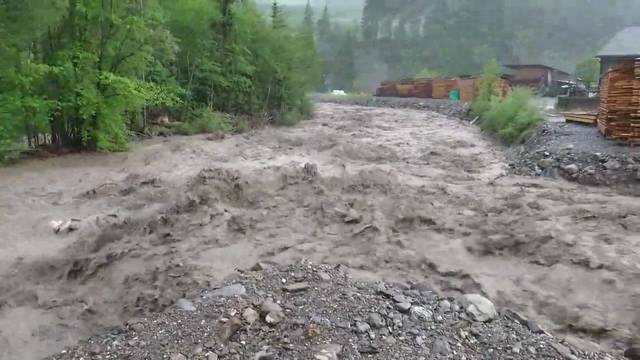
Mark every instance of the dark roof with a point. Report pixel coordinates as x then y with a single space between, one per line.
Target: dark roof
625 43
520 66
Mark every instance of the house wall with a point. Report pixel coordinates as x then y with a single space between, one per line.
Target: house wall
610 63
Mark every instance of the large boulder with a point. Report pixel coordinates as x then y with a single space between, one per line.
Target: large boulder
478 307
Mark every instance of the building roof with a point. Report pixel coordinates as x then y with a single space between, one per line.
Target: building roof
626 43
521 66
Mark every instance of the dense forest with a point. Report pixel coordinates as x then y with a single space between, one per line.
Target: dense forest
89 73
458 36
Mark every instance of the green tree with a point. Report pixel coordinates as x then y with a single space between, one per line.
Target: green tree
308 21
588 70
324 24
277 16
344 65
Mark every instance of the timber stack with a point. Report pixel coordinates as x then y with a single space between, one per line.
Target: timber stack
619 116
437 88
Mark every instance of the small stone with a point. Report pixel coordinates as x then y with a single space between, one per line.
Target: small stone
478 307
327 352
612 164
250 316
264 355
368 349
177 356
228 329
419 312
376 321
534 327
389 340
297 287
197 349
516 348
260 266
229 291
545 163
212 356
531 349
571 169
95 349
444 306
324 276
441 346
274 317
362 327
401 299
186 305
268 306
403 307
564 351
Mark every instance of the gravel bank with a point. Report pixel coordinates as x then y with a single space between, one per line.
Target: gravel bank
318 312
578 153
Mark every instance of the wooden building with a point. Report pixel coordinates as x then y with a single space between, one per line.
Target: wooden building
623 48
541 78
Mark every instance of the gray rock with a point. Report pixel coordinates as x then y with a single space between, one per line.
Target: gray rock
186 305
421 313
478 307
212 356
534 327
545 163
327 352
229 291
250 316
612 164
264 355
571 169
516 348
297 287
362 327
444 306
564 351
268 306
403 307
401 299
229 328
273 318
441 346
376 321
324 276
177 356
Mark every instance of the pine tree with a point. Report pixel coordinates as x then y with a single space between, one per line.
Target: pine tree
344 65
308 22
277 16
324 24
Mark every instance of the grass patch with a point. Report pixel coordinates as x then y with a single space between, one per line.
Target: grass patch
203 121
512 118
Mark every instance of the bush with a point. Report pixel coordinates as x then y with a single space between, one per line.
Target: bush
512 118
202 121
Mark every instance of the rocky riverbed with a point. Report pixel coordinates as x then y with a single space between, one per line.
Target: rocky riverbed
578 153
319 312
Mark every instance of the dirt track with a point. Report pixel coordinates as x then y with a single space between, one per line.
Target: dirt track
393 194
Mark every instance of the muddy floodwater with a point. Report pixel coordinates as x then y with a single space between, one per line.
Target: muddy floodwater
392 194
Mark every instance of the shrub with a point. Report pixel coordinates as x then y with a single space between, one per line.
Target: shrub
512 118
202 121
488 88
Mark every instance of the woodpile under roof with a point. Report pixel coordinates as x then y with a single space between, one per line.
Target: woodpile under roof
619 116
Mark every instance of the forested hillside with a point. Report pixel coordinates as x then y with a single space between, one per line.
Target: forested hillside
88 73
458 36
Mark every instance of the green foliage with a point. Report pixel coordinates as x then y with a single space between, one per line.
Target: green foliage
87 74
427 74
512 118
588 70
203 121
488 88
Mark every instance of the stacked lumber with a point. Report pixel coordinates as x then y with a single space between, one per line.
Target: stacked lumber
468 89
420 88
442 88
581 117
619 116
